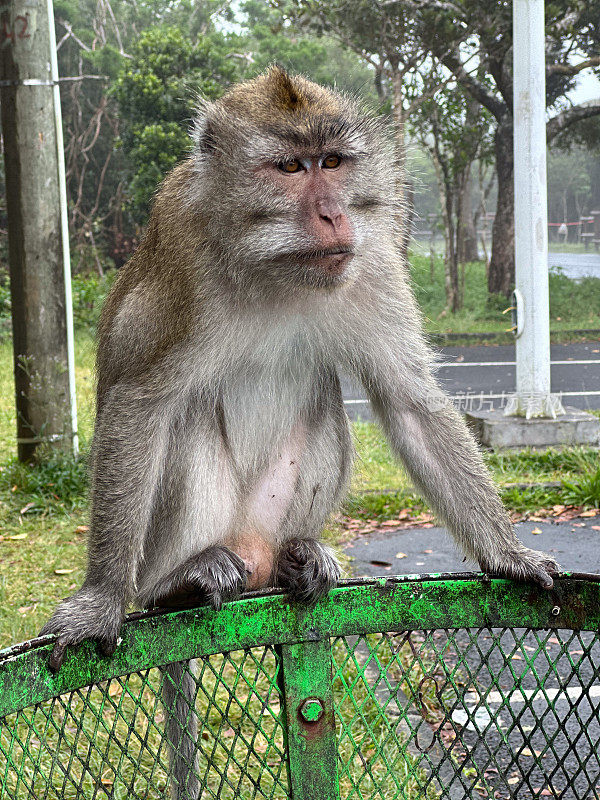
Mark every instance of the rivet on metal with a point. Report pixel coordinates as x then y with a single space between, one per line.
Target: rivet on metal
311 710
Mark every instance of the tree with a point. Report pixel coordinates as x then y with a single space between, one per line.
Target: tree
473 40
156 91
456 133
271 39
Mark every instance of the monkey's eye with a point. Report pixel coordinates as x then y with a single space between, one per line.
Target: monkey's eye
331 162
291 166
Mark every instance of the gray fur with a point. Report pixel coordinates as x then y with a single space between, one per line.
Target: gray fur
217 372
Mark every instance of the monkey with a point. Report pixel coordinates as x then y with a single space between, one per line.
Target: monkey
269 266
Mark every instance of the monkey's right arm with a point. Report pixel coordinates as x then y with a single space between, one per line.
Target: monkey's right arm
128 452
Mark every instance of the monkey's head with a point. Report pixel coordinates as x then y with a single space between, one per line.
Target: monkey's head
295 180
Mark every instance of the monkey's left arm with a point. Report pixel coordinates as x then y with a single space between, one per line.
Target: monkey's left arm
441 456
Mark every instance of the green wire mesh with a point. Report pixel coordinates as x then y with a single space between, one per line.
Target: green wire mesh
423 711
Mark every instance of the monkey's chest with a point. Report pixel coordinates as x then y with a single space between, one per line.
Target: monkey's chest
265 435
262 416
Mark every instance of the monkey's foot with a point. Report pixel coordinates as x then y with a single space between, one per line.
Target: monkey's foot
523 565
307 569
88 614
216 575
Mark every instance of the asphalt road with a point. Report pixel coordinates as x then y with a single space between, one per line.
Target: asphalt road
575 265
484 375
523 742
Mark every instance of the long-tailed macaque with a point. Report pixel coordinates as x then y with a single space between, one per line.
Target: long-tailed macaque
221 443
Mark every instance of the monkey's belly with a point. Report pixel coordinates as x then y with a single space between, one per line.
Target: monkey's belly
265 509
271 495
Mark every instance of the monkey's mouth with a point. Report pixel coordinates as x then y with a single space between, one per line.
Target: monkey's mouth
330 260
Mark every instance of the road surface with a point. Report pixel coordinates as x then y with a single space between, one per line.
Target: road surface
483 375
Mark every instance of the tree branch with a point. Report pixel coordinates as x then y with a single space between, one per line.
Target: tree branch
572 69
476 89
568 117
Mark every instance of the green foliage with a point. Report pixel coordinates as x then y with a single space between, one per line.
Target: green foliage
585 491
320 58
573 304
5 324
89 292
380 506
155 92
56 484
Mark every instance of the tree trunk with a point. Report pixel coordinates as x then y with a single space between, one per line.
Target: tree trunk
34 237
447 202
467 234
501 276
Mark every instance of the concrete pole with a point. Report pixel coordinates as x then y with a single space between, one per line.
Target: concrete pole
533 397
44 397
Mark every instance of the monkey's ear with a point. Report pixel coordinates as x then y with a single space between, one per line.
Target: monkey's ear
202 130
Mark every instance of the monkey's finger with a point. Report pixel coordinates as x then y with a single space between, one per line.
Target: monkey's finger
108 646
543 578
57 656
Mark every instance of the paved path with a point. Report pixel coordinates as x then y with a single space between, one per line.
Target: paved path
520 720
486 374
575 545
575 265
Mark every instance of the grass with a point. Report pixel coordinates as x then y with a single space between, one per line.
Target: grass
572 305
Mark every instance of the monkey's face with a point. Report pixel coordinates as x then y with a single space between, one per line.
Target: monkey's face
319 242
297 184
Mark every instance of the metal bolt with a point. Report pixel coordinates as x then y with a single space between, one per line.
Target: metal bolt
555 611
311 710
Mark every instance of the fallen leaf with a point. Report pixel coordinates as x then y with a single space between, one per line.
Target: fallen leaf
517 657
595 527
389 523
536 530
63 571
513 780
593 512
81 529
18 536
25 609
428 551
400 555
27 508
115 689
558 509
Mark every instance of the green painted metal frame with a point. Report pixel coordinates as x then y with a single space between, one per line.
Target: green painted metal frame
301 638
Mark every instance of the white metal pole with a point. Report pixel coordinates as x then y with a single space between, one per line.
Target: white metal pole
533 397
64 222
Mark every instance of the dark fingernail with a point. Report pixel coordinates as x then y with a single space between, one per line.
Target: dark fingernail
56 657
108 648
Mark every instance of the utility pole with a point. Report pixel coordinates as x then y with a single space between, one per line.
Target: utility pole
37 229
533 397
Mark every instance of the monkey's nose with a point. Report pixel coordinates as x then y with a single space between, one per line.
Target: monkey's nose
330 211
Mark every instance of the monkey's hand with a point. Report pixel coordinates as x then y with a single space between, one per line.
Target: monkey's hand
216 575
307 569
89 614
522 564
